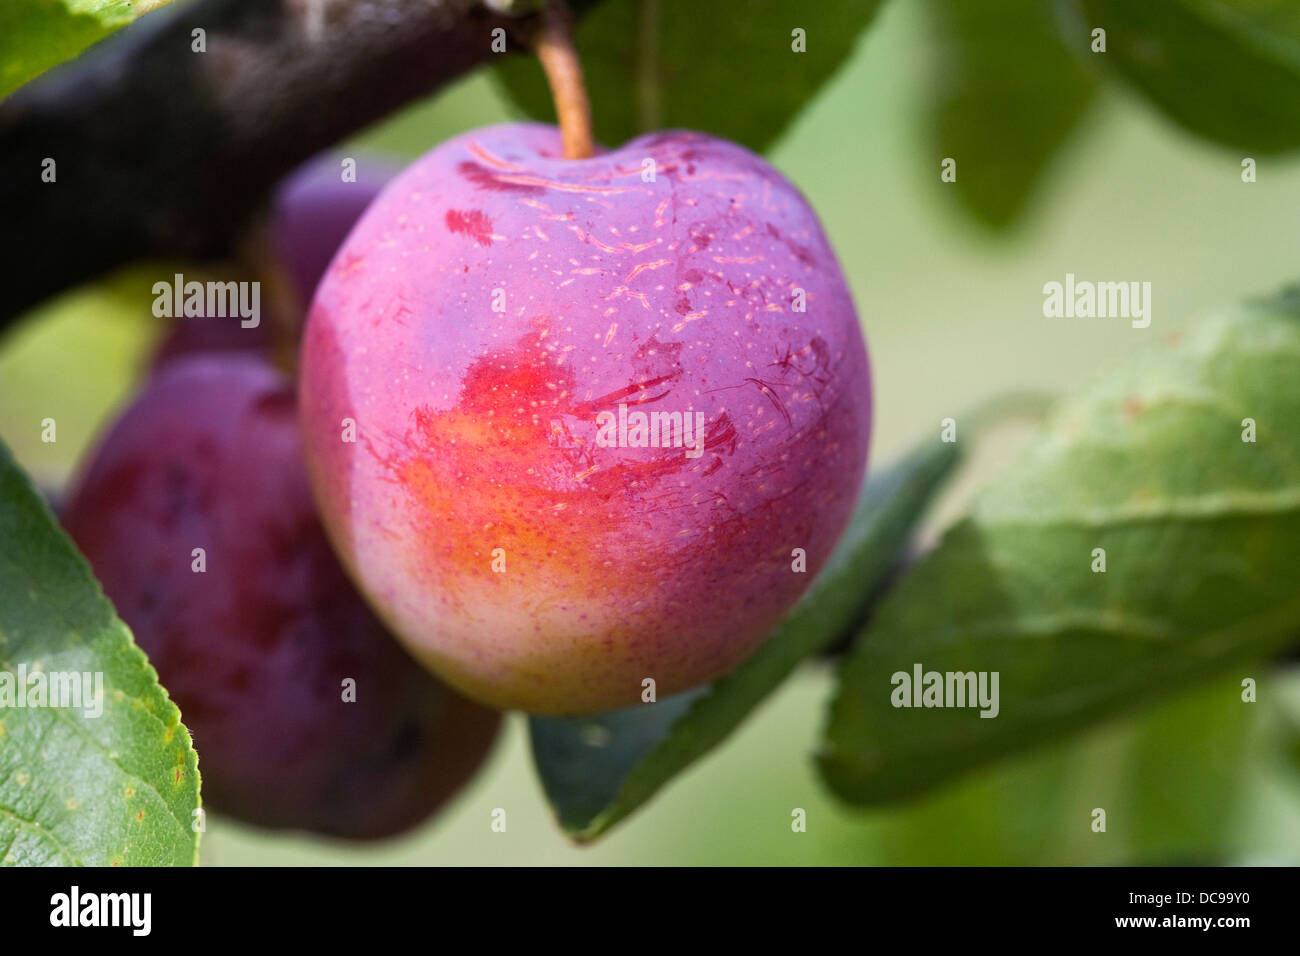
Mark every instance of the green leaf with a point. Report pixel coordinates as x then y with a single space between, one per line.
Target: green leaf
597 770
117 788
1201 533
1008 97
1285 699
1170 780
724 68
38 34
1228 70
1182 769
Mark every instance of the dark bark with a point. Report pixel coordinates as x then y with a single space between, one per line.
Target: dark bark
162 152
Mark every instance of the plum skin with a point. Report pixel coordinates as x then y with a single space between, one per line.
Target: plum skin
254 650
475 429
311 211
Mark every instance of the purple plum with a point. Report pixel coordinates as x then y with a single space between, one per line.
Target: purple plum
196 516
578 425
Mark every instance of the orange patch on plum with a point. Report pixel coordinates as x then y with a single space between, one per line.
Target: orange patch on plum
501 470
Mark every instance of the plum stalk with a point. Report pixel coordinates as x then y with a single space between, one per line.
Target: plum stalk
553 44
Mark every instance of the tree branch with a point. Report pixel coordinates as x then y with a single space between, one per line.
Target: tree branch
168 153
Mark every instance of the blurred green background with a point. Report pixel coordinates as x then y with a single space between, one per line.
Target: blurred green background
952 315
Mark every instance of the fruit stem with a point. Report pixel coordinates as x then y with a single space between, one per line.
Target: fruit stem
553 44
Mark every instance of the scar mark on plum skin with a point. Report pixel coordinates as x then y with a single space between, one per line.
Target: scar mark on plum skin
642 247
621 290
773 398
539 184
473 224
820 373
801 253
721 432
585 237
639 389
690 317
474 147
484 178
647 266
